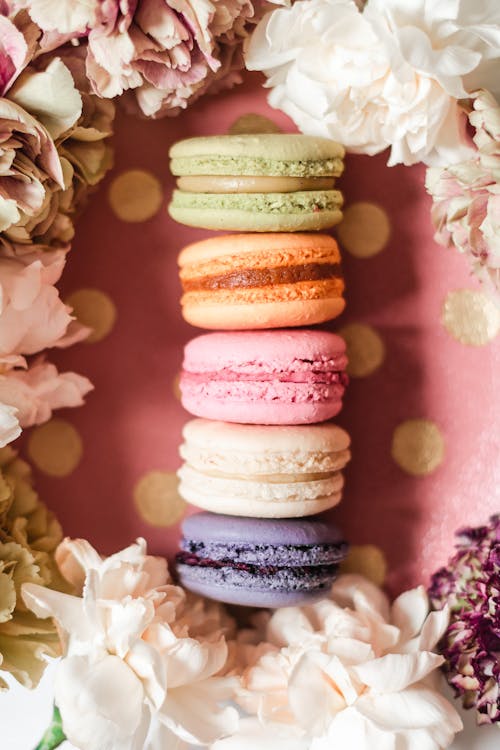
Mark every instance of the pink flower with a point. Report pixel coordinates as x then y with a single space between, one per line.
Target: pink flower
39 389
18 40
466 208
167 51
32 315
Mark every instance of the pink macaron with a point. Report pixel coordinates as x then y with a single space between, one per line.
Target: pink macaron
281 377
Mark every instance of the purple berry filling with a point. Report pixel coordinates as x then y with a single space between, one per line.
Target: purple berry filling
217 573
281 555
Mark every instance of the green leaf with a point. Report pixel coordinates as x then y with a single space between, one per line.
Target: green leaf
54 736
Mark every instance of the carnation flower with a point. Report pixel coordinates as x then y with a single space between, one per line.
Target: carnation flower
388 75
35 391
167 51
32 315
132 674
466 196
29 535
349 671
470 587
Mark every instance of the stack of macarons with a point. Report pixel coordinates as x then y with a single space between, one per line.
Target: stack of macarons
261 458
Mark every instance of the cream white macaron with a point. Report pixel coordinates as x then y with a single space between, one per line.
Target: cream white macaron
263 472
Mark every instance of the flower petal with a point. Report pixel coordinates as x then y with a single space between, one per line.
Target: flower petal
395 672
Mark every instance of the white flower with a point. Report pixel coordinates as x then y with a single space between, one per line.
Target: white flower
131 676
349 671
10 428
388 76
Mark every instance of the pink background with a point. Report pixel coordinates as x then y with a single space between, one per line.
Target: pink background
132 422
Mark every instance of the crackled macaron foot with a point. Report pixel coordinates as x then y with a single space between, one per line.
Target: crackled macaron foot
246 281
257 182
259 562
263 471
265 377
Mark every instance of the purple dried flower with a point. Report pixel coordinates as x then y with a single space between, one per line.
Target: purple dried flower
470 586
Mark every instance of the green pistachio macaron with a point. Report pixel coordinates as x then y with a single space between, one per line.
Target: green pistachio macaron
257 182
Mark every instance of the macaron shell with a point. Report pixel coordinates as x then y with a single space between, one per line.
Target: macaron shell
261 351
228 529
256 509
270 449
272 154
194 581
235 449
254 219
269 244
255 411
284 314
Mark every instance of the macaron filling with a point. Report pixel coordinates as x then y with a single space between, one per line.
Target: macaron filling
290 387
278 555
260 277
247 184
265 577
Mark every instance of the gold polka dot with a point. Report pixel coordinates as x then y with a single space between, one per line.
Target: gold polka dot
418 446
368 561
135 195
55 447
157 499
364 230
471 317
253 123
94 309
365 349
176 387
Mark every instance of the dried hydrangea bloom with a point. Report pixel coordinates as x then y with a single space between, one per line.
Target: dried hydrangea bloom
470 586
29 535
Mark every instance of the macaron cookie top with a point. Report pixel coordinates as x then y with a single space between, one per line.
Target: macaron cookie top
262 471
269 154
304 541
257 182
265 377
259 562
268 280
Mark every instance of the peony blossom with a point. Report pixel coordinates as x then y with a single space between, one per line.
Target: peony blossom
35 391
349 671
466 196
470 586
386 76
167 52
32 315
132 675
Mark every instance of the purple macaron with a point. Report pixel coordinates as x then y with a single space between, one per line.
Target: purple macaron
259 562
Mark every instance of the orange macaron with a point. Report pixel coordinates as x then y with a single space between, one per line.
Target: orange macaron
248 281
